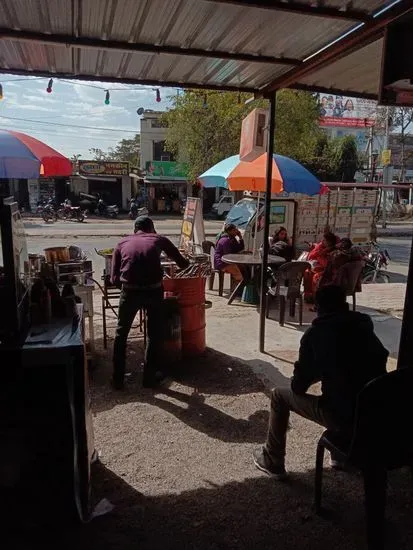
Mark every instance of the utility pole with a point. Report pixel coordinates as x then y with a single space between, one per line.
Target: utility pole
386 171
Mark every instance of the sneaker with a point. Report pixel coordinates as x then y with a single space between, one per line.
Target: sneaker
339 465
263 463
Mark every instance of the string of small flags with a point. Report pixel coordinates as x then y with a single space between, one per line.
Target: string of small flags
107 92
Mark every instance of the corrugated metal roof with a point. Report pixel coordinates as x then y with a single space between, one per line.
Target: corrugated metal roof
91 39
359 71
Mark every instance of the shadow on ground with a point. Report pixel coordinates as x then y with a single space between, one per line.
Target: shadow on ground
178 469
254 513
396 277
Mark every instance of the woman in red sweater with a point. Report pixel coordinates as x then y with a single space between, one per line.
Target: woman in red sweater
319 258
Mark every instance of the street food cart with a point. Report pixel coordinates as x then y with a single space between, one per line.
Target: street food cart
187 287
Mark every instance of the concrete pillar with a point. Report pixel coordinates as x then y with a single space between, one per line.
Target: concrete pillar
126 192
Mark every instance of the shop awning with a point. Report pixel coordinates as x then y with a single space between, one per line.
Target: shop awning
159 181
224 44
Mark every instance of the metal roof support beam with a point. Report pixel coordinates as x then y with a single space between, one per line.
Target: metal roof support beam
301 8
366 35
267 208
334 91
130 47
132 81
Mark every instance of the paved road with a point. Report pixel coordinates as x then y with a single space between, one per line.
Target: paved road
399 252
36 227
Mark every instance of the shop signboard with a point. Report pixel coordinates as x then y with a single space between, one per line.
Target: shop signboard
386 157
166 169
349 112
103 168
192 230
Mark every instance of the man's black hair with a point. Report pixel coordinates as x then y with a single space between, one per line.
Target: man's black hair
145 224
331 299
229 227
330 238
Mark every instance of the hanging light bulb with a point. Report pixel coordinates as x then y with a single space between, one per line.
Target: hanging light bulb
1 92
107 98
49 88
158 95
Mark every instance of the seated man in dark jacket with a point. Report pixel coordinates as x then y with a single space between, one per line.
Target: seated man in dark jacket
341 350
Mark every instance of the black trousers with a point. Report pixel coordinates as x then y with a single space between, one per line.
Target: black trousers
131 301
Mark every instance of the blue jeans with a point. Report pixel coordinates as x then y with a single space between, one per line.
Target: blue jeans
130 302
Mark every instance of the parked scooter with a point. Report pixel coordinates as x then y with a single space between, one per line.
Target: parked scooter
48 212
135 211
69 212
108 211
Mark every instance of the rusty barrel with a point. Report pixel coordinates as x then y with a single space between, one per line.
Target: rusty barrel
172 341
191 298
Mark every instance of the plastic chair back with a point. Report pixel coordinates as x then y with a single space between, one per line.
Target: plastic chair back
384 420
291 275
208 247
348 276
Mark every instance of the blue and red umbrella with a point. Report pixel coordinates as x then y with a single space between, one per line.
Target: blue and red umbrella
24 157
288 176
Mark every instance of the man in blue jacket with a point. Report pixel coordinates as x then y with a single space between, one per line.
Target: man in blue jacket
341 350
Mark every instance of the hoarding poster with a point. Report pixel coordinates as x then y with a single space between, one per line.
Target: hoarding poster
192 230
103 168
348 112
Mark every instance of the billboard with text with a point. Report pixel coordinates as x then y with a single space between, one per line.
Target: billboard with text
350 112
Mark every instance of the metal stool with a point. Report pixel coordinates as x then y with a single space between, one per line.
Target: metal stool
111 294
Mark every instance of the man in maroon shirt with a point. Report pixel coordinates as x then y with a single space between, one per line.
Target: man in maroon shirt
136 269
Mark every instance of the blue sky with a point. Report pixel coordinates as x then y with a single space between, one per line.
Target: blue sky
76 104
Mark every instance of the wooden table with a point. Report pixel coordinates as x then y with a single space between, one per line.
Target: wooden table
249 261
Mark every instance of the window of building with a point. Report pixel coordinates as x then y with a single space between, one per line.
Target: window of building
159 152
156 123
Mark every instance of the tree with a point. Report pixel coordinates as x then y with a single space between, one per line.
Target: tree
399 121
297 132
205 127
98 154
127 150
75 162
345 159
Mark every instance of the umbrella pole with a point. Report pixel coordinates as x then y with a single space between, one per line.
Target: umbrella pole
254 246
264 264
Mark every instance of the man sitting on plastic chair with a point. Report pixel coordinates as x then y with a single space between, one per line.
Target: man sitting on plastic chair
342 351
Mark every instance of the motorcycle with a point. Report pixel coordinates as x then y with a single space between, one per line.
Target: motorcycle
376 261
182 206
69 212
108 211
135 211
48 212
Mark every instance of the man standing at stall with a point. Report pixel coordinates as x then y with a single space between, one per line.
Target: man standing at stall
136 269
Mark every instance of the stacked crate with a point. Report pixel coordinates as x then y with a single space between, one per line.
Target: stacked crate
363 214
344 201
306 220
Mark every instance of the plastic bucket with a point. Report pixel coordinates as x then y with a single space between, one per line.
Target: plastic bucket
191 299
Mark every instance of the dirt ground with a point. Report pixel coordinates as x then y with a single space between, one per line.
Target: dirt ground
176 464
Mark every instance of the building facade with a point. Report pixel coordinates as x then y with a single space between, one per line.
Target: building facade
165 181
